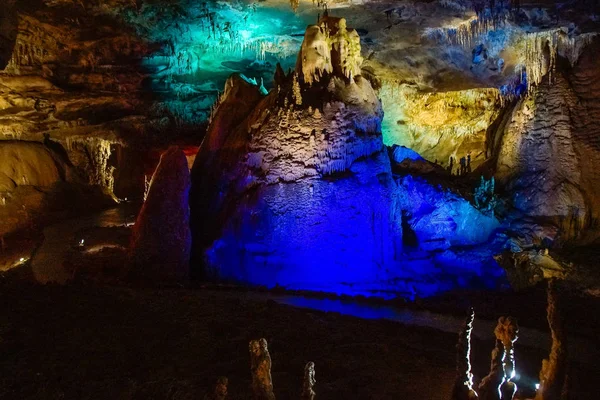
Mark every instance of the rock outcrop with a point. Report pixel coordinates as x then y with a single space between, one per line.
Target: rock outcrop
300 192
489 388
38 184
161 240
28 164
547 152
303 185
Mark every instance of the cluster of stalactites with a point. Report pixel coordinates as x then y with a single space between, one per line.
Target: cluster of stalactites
99 150
542 49
466 34
294 4
329 47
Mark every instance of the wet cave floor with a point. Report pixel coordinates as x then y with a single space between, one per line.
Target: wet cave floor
105 342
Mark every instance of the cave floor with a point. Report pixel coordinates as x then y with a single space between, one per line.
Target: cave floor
106 342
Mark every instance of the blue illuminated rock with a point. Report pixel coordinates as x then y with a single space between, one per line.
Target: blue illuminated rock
300 194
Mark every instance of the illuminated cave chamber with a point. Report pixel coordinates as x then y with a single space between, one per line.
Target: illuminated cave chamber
310 181
295 188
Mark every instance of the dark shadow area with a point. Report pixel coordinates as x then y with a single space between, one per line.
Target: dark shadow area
8 31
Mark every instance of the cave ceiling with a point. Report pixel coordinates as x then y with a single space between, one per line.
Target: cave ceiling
178 53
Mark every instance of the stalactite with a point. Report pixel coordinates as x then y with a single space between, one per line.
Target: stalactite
466 34
99 152
542 49
295 4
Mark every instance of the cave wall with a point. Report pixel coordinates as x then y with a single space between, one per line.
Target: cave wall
548 151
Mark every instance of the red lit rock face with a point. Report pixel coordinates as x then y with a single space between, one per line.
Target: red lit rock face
160 246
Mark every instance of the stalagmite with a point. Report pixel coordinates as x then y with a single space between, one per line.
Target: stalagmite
296 91
507 331
308 392
260 367
489 388
463 386
161 241
554 369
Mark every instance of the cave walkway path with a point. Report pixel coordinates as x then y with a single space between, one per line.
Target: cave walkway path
48 261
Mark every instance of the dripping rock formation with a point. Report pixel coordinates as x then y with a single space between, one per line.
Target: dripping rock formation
295 188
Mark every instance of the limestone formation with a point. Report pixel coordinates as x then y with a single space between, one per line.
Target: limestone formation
463 385
547 146
506 331
489 388
554 369
303 184
315 54
28 163
39 184
260 367
308 386
485 198
161 241
329 47
8 31
275 180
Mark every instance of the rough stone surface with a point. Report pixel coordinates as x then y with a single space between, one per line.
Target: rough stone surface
260 367
28 164
161 240
301 194
308 386
547 152
489 388
220 390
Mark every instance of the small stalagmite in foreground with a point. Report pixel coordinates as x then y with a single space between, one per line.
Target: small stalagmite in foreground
260 367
